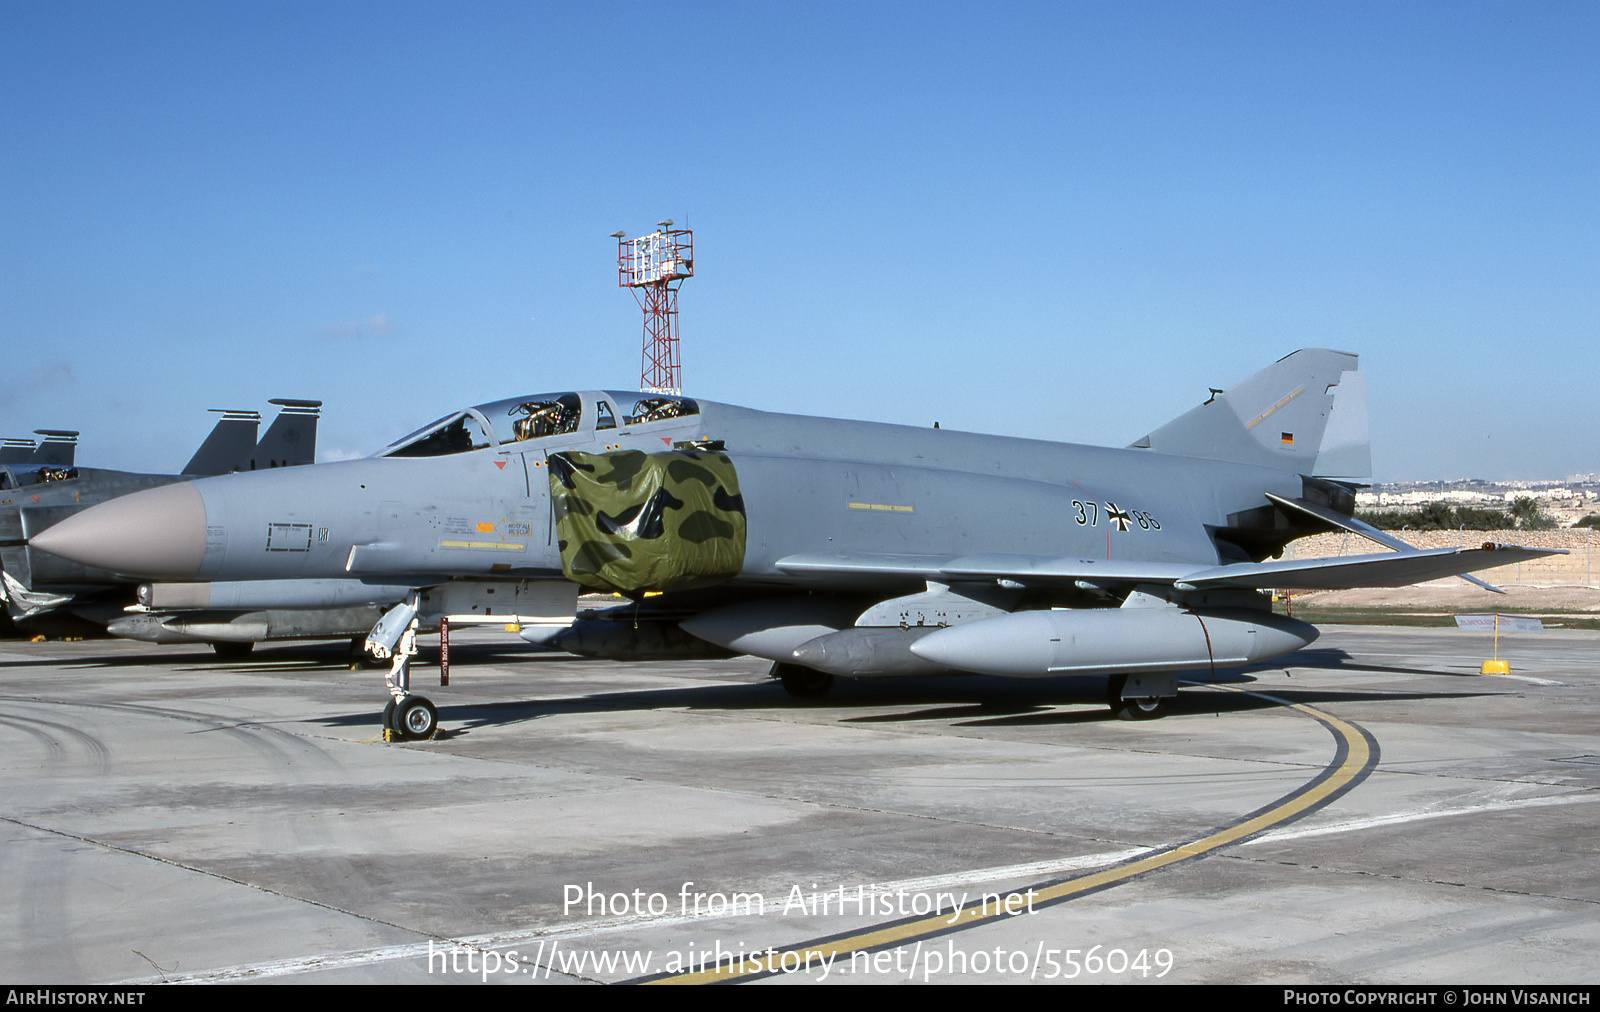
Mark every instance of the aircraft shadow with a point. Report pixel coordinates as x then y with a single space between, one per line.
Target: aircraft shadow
1335 659
1190 703
968 701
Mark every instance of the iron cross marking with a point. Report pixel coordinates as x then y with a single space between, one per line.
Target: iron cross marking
1116 516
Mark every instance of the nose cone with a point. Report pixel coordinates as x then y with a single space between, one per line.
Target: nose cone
157 534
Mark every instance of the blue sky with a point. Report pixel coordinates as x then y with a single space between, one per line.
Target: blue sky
1064 219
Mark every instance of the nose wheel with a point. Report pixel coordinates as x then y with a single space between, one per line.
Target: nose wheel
413 718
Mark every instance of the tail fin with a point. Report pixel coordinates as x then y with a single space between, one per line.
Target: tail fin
1305 413
56 449
15 451
228 446
291 438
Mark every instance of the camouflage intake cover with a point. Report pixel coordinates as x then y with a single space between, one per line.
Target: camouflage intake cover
631 521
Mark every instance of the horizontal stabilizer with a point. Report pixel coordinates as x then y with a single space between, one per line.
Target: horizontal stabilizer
1342 522
1366 530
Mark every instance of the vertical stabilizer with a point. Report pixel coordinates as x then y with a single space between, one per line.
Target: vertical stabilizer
1346 450
1282 417
291 438
56 449
228 447
16 451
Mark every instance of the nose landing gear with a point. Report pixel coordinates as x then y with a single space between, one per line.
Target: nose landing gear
406 717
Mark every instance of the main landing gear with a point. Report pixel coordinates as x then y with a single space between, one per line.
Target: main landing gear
1135 707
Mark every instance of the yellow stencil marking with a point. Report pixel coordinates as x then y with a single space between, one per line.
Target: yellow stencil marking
482 544
1297 392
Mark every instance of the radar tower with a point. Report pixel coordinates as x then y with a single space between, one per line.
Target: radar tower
654 266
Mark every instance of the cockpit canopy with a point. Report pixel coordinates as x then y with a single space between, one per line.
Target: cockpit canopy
518 419
21 477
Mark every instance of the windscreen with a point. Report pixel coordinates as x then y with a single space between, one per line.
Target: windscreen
457 433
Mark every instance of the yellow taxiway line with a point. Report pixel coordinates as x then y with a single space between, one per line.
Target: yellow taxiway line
1354 758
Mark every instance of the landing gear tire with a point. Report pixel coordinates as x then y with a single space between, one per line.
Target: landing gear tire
233 651
802 683
388 715
1137 708
413 719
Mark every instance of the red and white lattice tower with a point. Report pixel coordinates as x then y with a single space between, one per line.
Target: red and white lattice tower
654 266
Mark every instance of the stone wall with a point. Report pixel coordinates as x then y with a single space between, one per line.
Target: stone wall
1579 568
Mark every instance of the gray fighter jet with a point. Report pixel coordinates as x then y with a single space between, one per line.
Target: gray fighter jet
45 488
829 547
24 462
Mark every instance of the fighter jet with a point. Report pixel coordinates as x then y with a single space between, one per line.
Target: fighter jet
39 492
829 547
24 462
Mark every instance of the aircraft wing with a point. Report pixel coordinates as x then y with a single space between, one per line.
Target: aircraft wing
1384 569
1025 569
